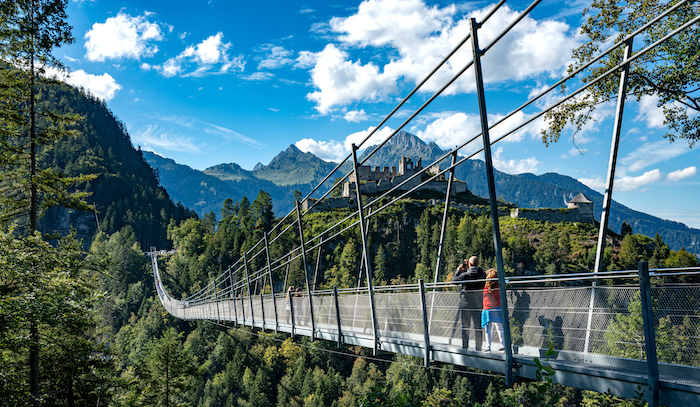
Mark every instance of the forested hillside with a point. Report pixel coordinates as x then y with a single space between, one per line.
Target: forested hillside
205 191
126 191
240 367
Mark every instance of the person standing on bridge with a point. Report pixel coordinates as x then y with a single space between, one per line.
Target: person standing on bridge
491 315
470 299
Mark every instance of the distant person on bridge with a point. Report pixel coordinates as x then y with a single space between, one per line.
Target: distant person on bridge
491 315
470 299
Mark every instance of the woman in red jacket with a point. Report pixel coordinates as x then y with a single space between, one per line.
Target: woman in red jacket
491 314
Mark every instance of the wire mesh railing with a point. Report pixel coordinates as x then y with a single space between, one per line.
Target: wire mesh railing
543 310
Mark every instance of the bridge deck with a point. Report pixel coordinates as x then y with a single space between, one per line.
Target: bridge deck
539 316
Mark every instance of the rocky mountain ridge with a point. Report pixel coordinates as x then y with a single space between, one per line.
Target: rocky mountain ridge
293 170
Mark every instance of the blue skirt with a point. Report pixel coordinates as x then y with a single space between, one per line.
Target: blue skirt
491 315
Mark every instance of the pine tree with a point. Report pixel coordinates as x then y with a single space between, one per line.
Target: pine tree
668 73
29 31
170 369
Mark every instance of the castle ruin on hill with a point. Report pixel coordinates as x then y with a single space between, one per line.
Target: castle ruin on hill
378 180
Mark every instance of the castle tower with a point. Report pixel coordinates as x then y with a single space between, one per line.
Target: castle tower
583 204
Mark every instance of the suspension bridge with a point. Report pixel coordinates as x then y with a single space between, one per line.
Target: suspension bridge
609 330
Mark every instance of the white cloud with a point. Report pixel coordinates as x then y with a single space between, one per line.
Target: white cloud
593 183
122 36
652 114
201 126
421 36
152 137
681 174
382 22
531 131
378 137
306 59
209 57
190 125
170 68
649 112
451 130
211 50
259 76
326 150
103 86
628 183
575 152
216 130
356 116
336 151
340 81
514 166
277 57
652 153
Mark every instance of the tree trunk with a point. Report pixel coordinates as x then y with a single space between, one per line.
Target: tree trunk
34 363
34 330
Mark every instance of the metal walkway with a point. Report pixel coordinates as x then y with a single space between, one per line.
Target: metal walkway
423 320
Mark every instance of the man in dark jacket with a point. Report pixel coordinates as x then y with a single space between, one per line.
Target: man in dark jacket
470 299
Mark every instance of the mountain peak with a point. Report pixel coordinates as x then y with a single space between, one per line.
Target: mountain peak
258 166
403 144
290 154
406 140
229 172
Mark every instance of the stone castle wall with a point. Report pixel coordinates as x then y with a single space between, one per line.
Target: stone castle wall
554 215
328 203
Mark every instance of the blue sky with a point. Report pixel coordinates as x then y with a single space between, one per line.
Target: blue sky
210 82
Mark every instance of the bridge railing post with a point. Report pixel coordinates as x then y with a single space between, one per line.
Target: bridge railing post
306 272
498 248
426 329
217 291
232 296
607 197
443 228
262 308
272 283
649 334
242 306
365 249
291 311
250 293
316 270
235 307
337 314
